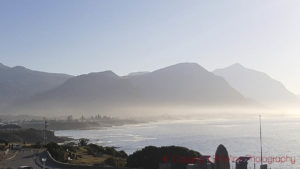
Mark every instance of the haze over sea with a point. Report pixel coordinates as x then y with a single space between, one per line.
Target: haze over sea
240 136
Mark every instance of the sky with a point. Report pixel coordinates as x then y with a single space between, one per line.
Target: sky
82 36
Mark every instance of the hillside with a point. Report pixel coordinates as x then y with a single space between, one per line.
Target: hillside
18 83
257 86
186 84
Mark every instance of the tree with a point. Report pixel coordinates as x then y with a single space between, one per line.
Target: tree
83 142
56 151
150 157
112 162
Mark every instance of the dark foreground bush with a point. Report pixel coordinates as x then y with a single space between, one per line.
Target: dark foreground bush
57 152
115 162
150 157
96 150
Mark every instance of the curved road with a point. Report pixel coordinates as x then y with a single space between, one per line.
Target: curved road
30 157
22 158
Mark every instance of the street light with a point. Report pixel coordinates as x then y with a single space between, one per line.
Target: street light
44 162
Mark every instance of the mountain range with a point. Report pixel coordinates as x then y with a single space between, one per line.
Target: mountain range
18 83
257 85
24 91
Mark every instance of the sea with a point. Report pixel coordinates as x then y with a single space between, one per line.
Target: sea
241 137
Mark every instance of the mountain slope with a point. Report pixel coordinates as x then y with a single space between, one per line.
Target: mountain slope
18 83
257 85
185 83
182 84
89 93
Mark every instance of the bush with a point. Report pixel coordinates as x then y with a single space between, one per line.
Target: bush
150 157
96 150
115 162
57 152
70 148
122 154
112 162
83 142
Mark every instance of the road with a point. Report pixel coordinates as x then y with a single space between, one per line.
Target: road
28 157
23 158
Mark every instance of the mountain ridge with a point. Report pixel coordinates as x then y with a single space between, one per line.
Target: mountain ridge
17 83
181 84
257 85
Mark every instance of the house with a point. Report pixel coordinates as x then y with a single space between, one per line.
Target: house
242 162
9 127
200 163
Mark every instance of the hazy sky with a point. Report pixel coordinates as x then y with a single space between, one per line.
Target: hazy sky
80 36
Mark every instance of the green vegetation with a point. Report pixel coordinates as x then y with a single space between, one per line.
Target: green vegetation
57 152
96 150
150 157
87 154
115 162
147 158
83 141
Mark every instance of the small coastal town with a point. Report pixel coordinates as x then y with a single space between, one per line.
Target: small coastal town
38 147
157 84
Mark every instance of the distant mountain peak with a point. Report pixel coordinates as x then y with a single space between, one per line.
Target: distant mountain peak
180 67
2 66
107 73
237 65
186 64
256 85
21 68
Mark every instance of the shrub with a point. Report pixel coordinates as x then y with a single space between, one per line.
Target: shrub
115 162
112 162
150 157
83 142
57 152
95 150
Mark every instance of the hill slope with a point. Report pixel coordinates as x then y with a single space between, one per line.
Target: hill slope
185 83
182 84
18 83
257 85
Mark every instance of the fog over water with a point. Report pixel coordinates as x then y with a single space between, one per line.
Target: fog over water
240 136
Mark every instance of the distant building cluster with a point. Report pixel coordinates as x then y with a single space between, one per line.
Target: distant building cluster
4 126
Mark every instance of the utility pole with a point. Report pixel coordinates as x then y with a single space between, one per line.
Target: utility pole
261 155
45 129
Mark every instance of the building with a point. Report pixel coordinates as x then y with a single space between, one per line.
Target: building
10 127
242 162
200 163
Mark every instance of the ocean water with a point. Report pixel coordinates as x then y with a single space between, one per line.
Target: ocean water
281 139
